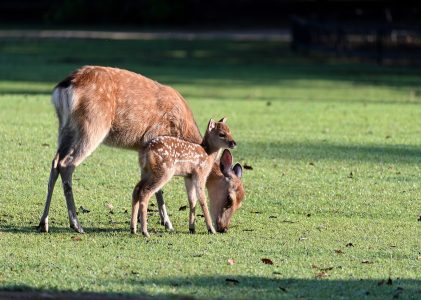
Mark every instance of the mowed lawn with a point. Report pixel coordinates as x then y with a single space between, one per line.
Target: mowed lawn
333 192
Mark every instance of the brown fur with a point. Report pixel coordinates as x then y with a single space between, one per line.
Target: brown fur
164 157
120 108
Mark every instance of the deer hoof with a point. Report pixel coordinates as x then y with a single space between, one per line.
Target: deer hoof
168 226
132 230
192 230
42 227
211 231
76 227
146 234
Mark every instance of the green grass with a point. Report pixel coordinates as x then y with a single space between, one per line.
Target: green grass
336 154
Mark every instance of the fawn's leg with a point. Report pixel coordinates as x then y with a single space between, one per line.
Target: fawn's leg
43 223
200 190
146 188
192 196
135 208
165 220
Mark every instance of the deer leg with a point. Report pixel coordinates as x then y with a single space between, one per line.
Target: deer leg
200 190
191 195
66 174
165 220
43 223
148 186
135 209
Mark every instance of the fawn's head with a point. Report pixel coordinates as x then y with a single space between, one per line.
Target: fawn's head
218 136
225 190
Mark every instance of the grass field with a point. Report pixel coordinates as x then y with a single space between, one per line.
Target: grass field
333 199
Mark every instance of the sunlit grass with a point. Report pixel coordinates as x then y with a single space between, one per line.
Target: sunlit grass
332 199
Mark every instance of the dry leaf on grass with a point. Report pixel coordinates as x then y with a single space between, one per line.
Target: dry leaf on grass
232 281
321 275
231 261
76 238
267 261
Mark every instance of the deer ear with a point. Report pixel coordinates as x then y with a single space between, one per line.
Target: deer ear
223 120
238 170
211 124
225 162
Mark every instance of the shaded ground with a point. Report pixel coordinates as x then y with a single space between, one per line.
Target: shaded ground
247 35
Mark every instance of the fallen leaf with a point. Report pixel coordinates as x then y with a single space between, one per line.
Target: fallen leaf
84 210
248 167
313 266
76 238
322 275
349 245
110 206
184 207
267 261
283 289
232 281
231 261
339 251
366 262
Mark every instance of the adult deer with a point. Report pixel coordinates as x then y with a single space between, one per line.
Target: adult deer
165 156
123 109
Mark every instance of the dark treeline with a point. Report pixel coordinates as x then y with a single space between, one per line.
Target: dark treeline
202 12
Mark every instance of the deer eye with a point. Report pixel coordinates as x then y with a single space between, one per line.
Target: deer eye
229 202
222 135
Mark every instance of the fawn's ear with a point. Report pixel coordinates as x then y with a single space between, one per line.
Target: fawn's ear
225 162
238 170
211 124
223 120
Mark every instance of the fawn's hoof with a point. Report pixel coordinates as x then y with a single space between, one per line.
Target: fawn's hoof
211 231
76 227
168 226
192 230
132 230
42 227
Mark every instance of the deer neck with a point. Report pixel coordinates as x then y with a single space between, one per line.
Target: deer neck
208 148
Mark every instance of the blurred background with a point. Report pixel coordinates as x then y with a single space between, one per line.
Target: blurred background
382 31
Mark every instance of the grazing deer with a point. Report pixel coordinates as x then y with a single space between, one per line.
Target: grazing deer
164 157
123 109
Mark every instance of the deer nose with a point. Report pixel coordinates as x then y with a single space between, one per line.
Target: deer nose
232 144
223 230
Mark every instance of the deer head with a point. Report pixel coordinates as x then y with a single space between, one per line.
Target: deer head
225 190
217 136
